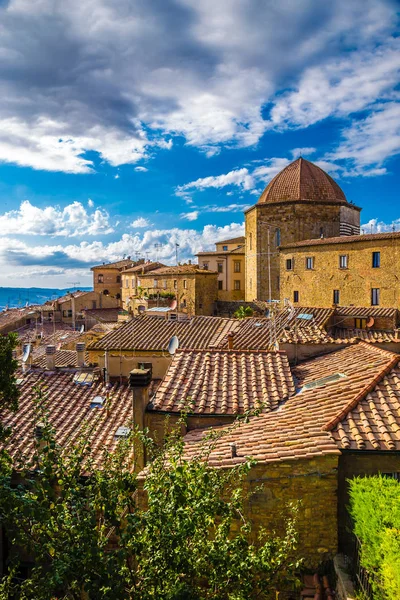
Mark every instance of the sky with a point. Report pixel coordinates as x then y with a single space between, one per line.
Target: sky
127 127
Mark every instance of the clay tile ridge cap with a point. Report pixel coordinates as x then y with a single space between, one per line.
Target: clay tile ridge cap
302 180
361 395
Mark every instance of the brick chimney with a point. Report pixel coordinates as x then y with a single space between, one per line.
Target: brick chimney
139 382
80 352
50 358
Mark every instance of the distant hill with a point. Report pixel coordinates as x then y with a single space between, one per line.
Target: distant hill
19 297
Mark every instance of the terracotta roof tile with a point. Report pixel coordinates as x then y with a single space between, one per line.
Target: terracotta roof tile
237 240
298 427
63 359
68 407
365 311
123 264
178 270
144 267
344 239
305 181
107 315
153 333
224 382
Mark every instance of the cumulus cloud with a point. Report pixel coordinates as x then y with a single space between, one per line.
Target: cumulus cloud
141 169
123 78
73 220
296 152
377 226
140 222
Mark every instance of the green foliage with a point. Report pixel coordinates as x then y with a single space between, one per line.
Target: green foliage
375 508
242 312
8 382
161 294
84 529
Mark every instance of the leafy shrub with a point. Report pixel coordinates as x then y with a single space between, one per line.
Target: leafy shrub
242 312
375 509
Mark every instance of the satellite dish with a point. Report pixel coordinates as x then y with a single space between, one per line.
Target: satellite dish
27 351
173 305
370 322
82 329
173 345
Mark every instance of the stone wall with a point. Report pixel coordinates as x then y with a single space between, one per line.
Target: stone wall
227 309
206 293
315 286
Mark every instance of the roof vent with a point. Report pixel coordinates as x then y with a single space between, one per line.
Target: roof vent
122 432
97 402
323 381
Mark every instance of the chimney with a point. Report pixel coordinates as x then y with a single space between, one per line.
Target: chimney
139 382
230 340
50 358
80 351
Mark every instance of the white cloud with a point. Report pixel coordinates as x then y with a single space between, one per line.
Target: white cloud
376 226
73 220
368 143
225 208
90 203
140 222
141 169
116 176
296 152
190 216
122 78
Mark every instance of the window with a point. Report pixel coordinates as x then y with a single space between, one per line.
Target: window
295 296
220 268
100 278
93 304
165 284
376 260
375 296
278 237
220 285
185 285
289 264
360 323
118 278
225 248
251 241
126 282
175 284
336 296
236 284
138 282
183 304
236 266
205 266
321 232
309 262
155 283
343 261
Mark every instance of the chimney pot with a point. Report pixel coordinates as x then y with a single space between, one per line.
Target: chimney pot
80 351
39 429
230 340
233 449
51 357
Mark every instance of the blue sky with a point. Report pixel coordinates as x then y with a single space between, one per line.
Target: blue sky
134 123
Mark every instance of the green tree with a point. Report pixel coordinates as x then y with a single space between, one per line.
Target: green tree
8 381
242 312
179 532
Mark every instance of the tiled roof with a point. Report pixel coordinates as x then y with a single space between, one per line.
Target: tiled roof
68 296
371 336
144 267
302 180
365 311
63 359
152 333
305 425
125 263
237 240
224 382
103 314
344 239
178 270
13 315
259 333
68 407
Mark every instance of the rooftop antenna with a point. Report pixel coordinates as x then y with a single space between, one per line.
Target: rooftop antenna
176 253
73 283
158 247
147 253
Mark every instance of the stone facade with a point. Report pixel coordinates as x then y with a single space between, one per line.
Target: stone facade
228 260
270 225
343 272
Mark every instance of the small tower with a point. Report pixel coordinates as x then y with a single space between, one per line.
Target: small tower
302 202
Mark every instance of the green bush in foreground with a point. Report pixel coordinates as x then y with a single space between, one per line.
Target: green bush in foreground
83 529
375 509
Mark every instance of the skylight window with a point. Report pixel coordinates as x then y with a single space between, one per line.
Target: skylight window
19 381
323 381
122 432
84 378
97 402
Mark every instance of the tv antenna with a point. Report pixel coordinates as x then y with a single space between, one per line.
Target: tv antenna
158 247
74 283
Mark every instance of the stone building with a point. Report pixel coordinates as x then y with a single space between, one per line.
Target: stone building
107 277
129 282
194 289
301 203
228 260
360 270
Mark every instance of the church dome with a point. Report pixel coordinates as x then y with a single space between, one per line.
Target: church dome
302 180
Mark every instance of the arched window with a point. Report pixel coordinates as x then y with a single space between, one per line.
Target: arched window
277 237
